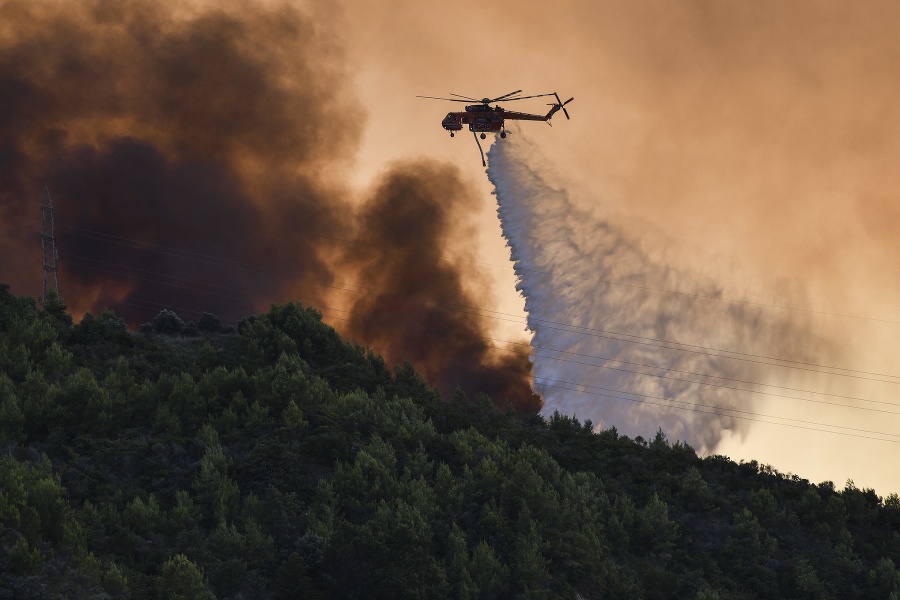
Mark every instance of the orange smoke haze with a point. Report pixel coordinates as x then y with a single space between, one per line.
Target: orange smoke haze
180 136
751 144
195 159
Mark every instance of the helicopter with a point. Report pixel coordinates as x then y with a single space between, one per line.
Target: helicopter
483 118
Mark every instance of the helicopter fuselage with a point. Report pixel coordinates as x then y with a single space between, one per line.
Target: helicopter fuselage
482 118
485 118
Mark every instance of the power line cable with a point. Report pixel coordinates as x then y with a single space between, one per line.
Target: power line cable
727 387
618 360
654 375
119 274
141 245
151 304
536 347
663 376
549 382
569 328
659 376
619 283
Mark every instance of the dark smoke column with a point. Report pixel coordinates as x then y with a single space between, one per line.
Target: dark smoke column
185 147
203 130
419 304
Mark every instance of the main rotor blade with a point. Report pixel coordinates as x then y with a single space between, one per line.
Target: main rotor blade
466 97
450 99
505 95
526 97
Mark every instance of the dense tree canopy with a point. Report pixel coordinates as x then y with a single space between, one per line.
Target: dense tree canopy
280 461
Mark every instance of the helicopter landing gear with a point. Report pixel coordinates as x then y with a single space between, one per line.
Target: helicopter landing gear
502 134
452 134
483 135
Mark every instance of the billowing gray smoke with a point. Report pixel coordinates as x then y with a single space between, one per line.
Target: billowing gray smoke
603 323
195 156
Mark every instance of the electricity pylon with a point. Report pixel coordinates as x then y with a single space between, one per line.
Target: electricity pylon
48 244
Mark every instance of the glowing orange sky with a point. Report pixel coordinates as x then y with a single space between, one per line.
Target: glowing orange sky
757 142
752 144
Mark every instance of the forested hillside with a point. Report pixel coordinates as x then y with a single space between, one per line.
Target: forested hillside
280 461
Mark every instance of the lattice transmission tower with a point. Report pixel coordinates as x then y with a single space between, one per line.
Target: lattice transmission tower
48 244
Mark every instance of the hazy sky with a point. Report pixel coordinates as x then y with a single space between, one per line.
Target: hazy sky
753 144
745 149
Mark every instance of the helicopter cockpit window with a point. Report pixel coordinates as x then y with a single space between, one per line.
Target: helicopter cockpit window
449 116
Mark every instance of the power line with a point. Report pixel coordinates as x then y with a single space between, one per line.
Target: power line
151 304
619 283
667 369
709 297
540 348
248 300
106 262
660 376
727 387
141 245
546 382
691 406
549 382
709 351
569 328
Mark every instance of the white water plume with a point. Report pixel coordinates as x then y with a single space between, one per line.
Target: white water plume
620 336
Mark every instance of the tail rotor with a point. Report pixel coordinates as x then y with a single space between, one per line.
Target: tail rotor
562 104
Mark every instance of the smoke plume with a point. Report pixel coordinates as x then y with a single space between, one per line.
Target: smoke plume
610 344
194 157
194 140
418 216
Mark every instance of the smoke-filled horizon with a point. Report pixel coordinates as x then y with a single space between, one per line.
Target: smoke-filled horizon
761 133
196 158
